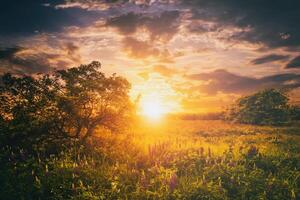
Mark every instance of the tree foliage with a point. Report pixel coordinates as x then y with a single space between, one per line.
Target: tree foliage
69 103
295 112
267 107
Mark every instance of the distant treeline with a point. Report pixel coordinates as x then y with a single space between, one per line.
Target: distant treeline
201 116
266 107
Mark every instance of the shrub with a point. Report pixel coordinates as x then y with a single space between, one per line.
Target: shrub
267 107
295 112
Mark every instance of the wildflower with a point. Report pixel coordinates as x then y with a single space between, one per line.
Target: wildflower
209 152
219 181
201 151
143 180
252 152
173 182
37 180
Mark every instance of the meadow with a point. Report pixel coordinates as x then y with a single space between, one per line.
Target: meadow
169 159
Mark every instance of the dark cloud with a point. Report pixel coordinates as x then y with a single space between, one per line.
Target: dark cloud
22 60
203 27
273 23
33 64
295 63
72 51
12 62
224 81
126 24
269 58
8 53
139 49
145 49
163 25
27 17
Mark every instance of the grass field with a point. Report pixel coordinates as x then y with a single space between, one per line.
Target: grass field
173 159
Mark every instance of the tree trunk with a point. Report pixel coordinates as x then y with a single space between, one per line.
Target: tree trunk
89 132
78 131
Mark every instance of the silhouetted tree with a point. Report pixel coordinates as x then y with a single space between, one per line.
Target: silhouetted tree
268 107
27 108
89 99
295 112
68 103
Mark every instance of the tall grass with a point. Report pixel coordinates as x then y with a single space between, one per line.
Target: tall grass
175 160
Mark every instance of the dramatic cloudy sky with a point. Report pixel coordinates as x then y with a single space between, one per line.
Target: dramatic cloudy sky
194 55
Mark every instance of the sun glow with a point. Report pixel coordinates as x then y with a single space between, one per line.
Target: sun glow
152 109
155 97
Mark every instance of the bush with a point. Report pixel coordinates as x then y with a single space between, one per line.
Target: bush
267 107
295 112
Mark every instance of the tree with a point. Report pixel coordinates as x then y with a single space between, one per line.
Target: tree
27 108
295 112
69 103
267 107
89 99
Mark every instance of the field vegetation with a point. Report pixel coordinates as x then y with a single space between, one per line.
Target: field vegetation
74 135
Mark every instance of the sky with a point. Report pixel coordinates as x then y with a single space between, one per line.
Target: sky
190 55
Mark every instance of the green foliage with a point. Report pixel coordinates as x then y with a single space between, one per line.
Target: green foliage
91 173
88 99
268 107
295 113
28 109
42 119
70 103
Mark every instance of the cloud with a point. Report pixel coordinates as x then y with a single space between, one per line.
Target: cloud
72 51
145 50
30 60
126 24
29 17
160 26
16 60
227 82
7 53
164 70
139 49
144 75
294 63
103 5
271 23
87 4
269 58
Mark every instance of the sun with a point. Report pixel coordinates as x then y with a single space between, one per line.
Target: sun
155 99
152 109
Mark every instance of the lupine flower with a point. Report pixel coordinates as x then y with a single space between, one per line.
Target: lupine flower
173 182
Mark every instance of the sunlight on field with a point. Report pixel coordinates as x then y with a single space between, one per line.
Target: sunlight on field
180 159
215 136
